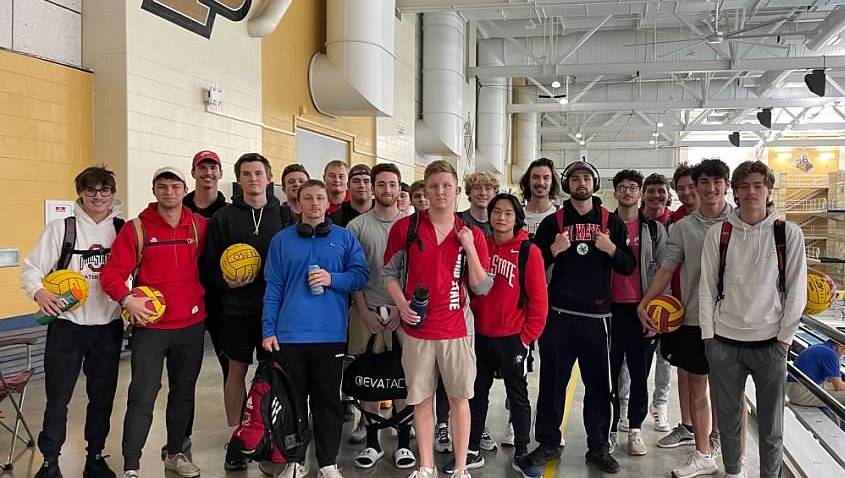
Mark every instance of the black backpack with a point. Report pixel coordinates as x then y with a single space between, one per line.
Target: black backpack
69 243
780 248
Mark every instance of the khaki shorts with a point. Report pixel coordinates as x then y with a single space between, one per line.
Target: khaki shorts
452 359
359 334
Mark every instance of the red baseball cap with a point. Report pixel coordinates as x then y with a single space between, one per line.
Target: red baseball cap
205 155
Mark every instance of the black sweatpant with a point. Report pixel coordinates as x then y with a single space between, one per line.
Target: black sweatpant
508 355
441 402
183 350
95 349
565 339
628 343
316 371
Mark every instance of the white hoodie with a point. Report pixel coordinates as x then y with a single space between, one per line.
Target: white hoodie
753 309
98 308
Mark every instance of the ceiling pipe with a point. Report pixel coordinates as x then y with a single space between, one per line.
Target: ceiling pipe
831 27
492 98
440 130
265 21
355 76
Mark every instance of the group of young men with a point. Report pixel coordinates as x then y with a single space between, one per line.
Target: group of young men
341 261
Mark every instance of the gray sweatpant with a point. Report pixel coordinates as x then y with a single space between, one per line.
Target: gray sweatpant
730 367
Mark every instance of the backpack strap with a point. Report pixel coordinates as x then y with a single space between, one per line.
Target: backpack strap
140 242
522 262
68 243
780 248
559 218
118 224
605 217
410 238
196 230
724 240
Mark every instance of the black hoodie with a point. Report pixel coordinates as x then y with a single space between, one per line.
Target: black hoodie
208 212
580 282
234 224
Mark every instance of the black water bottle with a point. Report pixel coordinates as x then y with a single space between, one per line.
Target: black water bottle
419 304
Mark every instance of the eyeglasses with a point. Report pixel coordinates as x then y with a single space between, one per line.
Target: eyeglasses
104 192
622 188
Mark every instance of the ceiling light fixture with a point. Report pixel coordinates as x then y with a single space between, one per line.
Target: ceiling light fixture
659 124
578 135
555 84
563 100
582 142
651 141
655 134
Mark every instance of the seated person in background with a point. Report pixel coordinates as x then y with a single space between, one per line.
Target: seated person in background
822 363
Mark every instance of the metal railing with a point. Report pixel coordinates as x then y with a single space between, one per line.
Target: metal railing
807 205
812 252
807 181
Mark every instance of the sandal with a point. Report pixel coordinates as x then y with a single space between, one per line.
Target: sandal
368 458
404 458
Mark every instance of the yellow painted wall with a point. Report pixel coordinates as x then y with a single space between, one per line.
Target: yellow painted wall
286 101
45 140
824 159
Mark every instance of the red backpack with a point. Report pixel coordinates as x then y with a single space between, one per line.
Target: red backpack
272 426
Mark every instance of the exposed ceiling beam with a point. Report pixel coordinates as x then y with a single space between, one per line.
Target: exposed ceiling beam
521 47
613 118
574 48
629 145
581 69
561 128
587 88
656 106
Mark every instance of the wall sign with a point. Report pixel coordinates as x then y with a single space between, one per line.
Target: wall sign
198 15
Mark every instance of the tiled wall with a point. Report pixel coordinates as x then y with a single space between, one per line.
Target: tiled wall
45 140
47 29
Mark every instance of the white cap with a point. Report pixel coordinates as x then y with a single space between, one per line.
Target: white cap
170 169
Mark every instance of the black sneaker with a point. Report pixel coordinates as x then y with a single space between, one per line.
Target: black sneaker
603 461
543 454
521 466
236 464
474 460
50 469
96 467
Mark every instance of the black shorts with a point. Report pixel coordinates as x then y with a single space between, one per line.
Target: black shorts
241 336
684 348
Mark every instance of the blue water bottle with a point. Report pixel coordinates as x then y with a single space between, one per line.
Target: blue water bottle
419 304
315 289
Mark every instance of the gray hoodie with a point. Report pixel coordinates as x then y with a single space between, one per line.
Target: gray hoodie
686 237
753 309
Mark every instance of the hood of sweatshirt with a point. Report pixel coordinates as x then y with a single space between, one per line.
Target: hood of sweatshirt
752 236
83 216
513 243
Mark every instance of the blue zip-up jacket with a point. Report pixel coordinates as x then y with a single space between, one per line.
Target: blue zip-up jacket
291 313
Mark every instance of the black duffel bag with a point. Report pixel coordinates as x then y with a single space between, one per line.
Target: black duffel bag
374 377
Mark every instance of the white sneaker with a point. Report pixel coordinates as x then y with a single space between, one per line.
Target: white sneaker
131 474
424 472
330 471
612 443
181 465
507 440
359 433
636 444
294 470
697 464
623 425
661 423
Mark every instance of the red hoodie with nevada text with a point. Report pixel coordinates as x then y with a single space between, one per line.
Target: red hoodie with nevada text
498 314
169 264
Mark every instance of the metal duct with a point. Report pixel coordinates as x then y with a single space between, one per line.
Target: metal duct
492 97
832 26
355 75
525 133
440 131
771 81
266 21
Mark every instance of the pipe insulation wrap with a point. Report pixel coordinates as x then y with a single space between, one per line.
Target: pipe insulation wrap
492 98
355 77
440 131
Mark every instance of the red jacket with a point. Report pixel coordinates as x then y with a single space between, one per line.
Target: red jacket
497 313
170 268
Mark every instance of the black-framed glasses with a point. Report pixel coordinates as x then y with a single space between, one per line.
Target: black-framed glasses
104 192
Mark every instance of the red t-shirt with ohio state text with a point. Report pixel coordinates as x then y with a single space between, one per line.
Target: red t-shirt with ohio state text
440 267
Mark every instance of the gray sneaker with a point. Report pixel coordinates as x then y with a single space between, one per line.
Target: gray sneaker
612 443
181 465
679 436
715 445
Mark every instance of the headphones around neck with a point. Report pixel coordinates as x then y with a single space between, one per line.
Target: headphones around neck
322 229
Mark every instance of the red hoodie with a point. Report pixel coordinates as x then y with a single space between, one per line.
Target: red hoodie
170 268
497 313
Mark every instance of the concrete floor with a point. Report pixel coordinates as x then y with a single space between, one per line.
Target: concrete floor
211 433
